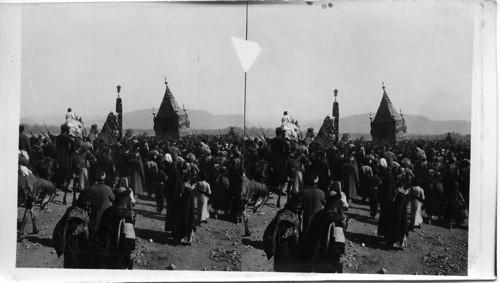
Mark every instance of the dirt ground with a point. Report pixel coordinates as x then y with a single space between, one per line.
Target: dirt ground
216 246
431 250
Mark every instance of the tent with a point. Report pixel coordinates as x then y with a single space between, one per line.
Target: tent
171 122
388 126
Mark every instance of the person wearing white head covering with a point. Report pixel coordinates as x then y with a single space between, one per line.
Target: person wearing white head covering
383 162
287 118
167 157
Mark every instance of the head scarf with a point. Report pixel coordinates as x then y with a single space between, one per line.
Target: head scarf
383 162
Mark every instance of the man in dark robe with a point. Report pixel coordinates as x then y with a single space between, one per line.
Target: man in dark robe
279 153
324 244
116 235
454 212
185 224
385 197
350 177
104 163
136 174
319 166
235 175
101 197
65 149
313 200
397 222
281 237
173 189
71 234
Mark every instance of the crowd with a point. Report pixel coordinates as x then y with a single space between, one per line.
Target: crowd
191 174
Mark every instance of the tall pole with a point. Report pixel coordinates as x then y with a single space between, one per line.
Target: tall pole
119 110
245 93
335 114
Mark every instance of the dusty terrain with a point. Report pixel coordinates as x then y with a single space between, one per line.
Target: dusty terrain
431 250
216 246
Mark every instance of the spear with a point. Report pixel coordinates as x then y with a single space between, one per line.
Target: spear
262 131
42 133
261 138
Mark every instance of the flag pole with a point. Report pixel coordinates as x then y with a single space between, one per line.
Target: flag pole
245 92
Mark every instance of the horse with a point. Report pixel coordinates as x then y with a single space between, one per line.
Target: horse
253 194
31 190
263 172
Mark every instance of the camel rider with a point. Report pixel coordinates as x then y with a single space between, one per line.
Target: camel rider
74 123
286 118
289 126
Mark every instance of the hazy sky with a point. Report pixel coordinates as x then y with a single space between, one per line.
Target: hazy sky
74 55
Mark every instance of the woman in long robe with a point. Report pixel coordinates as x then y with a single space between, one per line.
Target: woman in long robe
185 225
173 189
136 174
385 197
397 224
221 196
417 199
202 194
434 201
350 176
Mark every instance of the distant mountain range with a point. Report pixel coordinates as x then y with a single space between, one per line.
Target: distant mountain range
203 120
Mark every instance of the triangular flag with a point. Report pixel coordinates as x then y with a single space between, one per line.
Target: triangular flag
247 51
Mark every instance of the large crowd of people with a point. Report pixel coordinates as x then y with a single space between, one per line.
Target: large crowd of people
189 175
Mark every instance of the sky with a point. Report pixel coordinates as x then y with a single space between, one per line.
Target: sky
74 55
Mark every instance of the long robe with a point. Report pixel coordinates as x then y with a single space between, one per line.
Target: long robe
235 175
434 201
281 240
417 199
221 195
397 224
385 197
313 200
202 193
322 249
65 149
116 246
101 197
278 156
350 177
71 238
150 172
186 221
173 189
136 174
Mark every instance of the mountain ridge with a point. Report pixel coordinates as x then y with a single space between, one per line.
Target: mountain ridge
204 120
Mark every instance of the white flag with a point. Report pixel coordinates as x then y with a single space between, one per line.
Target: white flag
247 51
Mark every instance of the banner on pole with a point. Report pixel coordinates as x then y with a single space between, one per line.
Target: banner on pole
247 51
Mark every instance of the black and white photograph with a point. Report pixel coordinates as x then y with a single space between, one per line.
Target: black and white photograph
322 138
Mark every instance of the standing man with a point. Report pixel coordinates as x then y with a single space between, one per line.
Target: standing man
101 197
136 174
279 153
350 177
235 174
281 237
65 149
313 201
